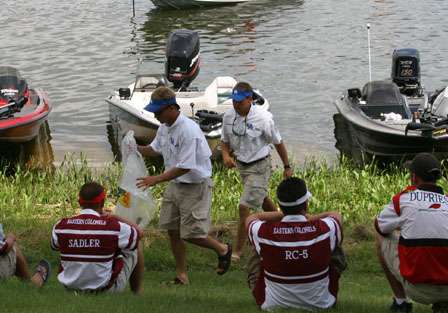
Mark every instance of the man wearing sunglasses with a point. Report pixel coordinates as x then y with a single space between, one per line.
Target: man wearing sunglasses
185 210
249 133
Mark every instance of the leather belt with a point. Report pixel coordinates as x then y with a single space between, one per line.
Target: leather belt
252 162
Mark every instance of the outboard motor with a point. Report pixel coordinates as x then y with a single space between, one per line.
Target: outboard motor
182 58
406 71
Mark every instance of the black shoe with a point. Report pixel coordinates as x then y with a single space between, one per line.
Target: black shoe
405 307
440 307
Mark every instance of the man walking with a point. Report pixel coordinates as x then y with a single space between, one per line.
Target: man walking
298 258
412 239
248 132
185 211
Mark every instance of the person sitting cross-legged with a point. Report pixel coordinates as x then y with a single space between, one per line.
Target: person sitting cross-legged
13 263
298 259
99 252
412 239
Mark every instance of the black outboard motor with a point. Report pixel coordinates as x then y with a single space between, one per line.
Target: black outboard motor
406 71
182 58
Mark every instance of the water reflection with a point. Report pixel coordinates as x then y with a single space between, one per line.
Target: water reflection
36 153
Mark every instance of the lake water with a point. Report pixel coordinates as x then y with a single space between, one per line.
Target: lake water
300 54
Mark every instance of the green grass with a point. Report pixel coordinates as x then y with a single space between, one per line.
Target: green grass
32 201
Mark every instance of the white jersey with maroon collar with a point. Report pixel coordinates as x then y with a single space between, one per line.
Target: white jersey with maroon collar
295 259
421 215
88 244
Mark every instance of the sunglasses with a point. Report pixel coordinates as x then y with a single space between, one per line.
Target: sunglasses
239 129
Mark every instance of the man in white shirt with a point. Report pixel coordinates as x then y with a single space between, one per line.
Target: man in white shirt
185 211
249 132
412 239
297 263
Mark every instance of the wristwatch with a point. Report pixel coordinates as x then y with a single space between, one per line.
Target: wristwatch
287 166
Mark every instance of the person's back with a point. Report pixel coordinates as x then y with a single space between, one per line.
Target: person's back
297 267
88 244
421 213
98 252
296 252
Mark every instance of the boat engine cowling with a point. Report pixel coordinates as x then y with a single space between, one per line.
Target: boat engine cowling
406 70
182 58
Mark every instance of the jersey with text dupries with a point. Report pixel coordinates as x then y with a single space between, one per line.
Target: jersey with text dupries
421 215
295 261
88 244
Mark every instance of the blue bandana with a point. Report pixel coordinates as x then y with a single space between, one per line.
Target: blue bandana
156 106
240 95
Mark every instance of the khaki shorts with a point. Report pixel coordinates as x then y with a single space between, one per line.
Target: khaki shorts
130 261
8 264
255 179
186 207
422 293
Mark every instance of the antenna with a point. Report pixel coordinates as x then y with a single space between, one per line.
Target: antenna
368 45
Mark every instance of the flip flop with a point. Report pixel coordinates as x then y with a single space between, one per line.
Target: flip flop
43 268
175 282
224 261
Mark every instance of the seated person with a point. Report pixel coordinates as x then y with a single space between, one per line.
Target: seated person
13 263
99 252
412 239
298 258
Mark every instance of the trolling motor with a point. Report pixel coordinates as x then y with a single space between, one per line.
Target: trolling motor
182 58
406 71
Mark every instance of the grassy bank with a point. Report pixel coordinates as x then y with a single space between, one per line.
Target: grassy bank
32 201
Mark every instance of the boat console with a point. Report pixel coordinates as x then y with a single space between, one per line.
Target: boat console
380 97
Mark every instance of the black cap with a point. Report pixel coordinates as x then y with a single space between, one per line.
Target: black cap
425 166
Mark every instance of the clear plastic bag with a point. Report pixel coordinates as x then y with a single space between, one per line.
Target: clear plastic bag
134 203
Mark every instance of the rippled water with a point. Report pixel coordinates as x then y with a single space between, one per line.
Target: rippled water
301 54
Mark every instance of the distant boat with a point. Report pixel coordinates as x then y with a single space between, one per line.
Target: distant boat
180 4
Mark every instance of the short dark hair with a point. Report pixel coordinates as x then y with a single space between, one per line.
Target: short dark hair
243 86
89 191
426 166
289 190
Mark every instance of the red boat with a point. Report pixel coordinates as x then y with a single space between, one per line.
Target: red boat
22 110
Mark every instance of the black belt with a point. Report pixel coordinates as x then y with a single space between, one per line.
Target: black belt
253 162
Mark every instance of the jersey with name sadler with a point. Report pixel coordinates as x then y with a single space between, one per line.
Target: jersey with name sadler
295 258
250 136
88 244
421 215
183 145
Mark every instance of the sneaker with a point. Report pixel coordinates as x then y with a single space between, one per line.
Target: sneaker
43 268
405 307
440 307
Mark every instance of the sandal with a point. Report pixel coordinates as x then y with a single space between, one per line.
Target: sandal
43 269
176 282
224 261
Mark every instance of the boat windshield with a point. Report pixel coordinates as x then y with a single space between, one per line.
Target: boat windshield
440 106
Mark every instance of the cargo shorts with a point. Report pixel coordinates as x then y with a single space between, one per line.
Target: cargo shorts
8 263
421 293
255 179
186 207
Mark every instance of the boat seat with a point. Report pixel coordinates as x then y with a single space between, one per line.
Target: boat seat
381 97
220 89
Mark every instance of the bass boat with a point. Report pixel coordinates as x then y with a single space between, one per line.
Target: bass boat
181 4
394 119
206 107
22 110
